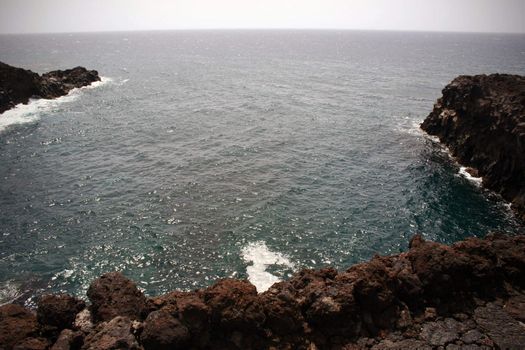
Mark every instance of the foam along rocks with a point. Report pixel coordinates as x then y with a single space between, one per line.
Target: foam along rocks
260 257
30 113
463 171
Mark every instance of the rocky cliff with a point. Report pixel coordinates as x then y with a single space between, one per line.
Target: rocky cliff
466 296
18 85
482 121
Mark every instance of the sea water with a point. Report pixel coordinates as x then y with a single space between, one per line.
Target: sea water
249 154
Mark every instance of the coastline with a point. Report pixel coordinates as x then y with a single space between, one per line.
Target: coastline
19 86
481 120
468 294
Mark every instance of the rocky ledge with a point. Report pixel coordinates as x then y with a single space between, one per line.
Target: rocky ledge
466 296
482 121
18 85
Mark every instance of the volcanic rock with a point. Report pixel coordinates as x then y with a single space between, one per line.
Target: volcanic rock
68 340
32 344
114 295
18 85
481 119
16 324
57 312
163 332
115 334
468 295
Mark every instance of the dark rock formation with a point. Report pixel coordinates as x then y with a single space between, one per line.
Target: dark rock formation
69 340
57 312
482 121
469 295
115 334
18 85
162 331
114 295
16 324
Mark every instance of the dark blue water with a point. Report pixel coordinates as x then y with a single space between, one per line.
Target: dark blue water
207 154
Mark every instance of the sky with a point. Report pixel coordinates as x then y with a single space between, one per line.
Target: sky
50 16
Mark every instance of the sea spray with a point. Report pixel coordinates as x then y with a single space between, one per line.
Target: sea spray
30 112
260 257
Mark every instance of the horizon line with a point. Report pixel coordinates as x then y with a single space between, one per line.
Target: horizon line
261 29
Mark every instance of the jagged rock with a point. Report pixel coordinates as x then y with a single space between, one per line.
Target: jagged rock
111 335
69 340
234 305
32 344
57 312
482 121
505 331
164 332
433 296
114 295
83 321
59 82
471 336
18 85
515 307
283 312
439 333
16 324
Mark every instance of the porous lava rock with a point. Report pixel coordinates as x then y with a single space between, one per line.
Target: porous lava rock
18 85
162 331
481 119
468 295
56 312
113 295
16 324
112 335
69 340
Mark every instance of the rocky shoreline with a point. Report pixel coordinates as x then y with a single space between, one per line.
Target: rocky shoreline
466 296
481 119
18 85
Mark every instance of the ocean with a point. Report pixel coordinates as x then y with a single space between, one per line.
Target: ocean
249 154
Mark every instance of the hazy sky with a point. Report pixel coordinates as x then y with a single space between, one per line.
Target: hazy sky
29 16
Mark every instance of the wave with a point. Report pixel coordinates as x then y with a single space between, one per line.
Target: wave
260 257
30 112
464 173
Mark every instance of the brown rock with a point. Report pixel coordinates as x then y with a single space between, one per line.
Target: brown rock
69 340
16 324
193 312
112 335
506 332
57 312
32 344
114 295
163 332
234 305
83 321
283 312
515 307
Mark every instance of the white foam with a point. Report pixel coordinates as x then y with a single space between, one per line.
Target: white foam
8 292
463 172
30 113
261 257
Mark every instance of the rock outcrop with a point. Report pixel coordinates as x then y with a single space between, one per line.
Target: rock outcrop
469 295
18 85
481 119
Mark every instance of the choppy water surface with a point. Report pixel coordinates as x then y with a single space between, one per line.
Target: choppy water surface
205 155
